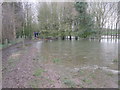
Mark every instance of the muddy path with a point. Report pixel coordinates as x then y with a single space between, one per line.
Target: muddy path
23 67
17 65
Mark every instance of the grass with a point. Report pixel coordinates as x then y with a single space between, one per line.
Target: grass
11 61
56 60
69 83
34 84
92 75
81 72
115 60
38 72
110 74
3 46
10 43
49 80
4 68
87 81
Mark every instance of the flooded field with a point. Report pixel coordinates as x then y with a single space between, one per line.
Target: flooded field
62 64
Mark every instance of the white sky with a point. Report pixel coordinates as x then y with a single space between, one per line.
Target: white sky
36 1
59 0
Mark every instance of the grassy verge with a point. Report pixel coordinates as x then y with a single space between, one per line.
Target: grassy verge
11 43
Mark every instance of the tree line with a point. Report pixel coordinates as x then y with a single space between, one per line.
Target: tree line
59 19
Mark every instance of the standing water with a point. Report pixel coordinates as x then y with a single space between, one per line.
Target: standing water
80 53
83 58
61 64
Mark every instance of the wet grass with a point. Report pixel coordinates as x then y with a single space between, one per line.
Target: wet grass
34 84
49 80
92 75
115 60
3 46
69 83
11 62
10 43
38 72
87 81
110 74
19 47
27 45
81 72
4 69
56 60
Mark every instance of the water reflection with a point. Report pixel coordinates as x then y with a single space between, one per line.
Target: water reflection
38 46
81 52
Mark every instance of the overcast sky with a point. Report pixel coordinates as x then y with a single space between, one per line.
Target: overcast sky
59 0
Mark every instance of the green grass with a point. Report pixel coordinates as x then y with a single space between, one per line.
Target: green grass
11 61
115 60
34 84
4 68
56 60
110 74
10 43
92 75
87 81
81 72
69 83
49 80
3 46
38 72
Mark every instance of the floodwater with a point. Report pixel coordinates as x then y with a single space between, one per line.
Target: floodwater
69 63
79 53
97 58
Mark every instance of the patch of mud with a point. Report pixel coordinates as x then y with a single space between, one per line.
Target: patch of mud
18 68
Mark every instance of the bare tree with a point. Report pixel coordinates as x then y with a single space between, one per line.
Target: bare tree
104 14
12 20
0 22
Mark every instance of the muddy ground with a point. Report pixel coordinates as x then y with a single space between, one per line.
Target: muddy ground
23 68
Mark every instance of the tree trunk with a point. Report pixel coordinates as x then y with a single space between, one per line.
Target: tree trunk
63 37
70 37
76 38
